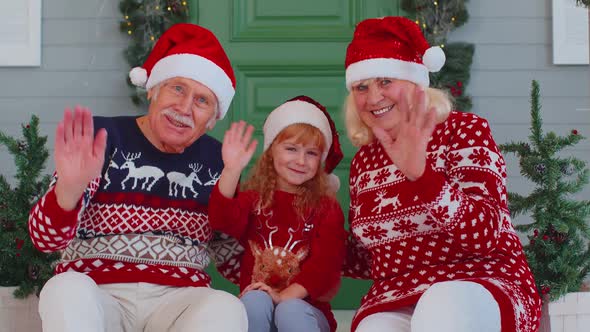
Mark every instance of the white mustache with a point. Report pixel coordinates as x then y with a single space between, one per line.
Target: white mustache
185 120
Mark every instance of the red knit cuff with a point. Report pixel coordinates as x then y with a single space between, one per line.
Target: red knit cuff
315 288
219 196
220 199
60 217
313 292
427 187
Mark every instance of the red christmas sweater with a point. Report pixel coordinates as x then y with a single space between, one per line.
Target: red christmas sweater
143 220
280 248
451 224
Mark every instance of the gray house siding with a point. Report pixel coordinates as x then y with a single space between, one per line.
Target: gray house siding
514 46
82 64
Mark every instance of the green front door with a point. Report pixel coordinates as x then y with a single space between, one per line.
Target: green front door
283 48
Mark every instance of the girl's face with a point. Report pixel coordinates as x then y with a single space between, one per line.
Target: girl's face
295 163
377 101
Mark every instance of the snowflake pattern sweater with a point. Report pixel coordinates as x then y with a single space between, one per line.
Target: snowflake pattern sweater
451 224
144 220
280 248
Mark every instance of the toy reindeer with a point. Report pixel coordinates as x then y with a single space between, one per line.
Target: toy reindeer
275 265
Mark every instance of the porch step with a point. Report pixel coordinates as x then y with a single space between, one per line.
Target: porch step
344 318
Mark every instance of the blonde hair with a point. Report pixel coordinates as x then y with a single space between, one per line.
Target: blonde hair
263 176
358 132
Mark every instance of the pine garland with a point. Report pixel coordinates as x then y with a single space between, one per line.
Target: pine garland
437 19
144 22
559 249
585 3
21 264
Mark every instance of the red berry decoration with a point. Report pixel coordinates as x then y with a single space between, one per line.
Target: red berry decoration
560 238
575 132
19 243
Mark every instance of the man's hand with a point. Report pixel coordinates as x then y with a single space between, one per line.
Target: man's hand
79 155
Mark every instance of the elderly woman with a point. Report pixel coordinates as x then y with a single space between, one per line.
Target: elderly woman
428 213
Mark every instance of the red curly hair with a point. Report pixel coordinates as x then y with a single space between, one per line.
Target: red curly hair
263 176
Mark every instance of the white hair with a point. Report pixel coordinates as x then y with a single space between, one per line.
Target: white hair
155 91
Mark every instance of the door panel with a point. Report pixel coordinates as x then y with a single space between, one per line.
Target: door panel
304 20
283 48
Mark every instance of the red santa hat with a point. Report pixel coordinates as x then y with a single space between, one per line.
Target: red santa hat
391 47
189 51
303 109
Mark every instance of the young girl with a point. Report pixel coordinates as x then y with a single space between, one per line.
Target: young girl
287 220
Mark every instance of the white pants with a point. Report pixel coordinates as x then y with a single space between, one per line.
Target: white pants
72 301
452 306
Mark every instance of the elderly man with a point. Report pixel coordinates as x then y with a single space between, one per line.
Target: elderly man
128 206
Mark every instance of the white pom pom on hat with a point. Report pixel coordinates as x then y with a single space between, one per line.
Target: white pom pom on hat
434 59
333 182
138 76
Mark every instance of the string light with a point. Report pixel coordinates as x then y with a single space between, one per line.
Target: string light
147 32
435 18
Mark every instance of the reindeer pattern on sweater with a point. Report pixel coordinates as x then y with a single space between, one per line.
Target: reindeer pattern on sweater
274 264
143 220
